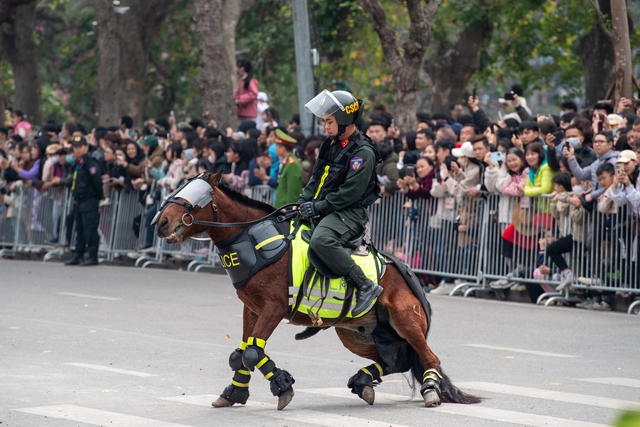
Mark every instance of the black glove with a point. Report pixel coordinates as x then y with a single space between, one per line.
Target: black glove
308 210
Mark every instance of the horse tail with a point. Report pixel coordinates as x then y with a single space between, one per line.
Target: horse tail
449 392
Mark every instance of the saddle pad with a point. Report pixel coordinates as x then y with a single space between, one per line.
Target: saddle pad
335 292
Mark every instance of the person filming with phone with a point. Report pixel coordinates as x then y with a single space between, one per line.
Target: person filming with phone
603 147
418 179
626 186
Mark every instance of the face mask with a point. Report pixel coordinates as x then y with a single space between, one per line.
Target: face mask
577 189
69 158
462 161
55 159
212 159
575 142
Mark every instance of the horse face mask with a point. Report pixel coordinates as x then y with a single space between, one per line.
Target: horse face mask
197 192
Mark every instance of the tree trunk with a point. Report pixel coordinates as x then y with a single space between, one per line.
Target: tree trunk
598 58
124 43
405 69
232 10
214 83
3 106
19 50
452 66
622 49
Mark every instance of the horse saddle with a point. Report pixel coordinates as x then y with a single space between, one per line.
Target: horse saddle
351 246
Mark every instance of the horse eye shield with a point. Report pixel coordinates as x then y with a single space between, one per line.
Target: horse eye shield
198 194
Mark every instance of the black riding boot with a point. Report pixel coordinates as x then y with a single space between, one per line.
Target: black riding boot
92 260
366 290
75 260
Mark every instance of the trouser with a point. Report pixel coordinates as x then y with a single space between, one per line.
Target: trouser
87 218
556 249
149 230
327 240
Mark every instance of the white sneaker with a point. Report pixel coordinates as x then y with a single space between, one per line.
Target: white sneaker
519 288
602 306
567 278
589 282
499 284
148 250
444 289
134 255
588 303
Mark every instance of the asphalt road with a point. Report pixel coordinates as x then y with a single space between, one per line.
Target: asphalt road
130 347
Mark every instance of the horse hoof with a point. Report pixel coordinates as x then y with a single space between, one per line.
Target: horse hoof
368 394
285 398
221 402
431 398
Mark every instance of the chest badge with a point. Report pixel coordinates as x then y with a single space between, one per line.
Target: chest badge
93 170
356 163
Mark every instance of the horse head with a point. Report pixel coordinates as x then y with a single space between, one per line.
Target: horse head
191 203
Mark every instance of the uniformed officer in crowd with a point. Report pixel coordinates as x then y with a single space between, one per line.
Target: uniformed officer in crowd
86 188
289 171
342 187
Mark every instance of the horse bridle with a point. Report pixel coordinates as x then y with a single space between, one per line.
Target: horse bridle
189 206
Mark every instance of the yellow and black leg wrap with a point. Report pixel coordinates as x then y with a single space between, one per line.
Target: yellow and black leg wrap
253 352
238 390
368 376
431 381
280 380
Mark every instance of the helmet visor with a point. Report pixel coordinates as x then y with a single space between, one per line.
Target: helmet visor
323 104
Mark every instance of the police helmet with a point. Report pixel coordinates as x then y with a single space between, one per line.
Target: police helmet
344 106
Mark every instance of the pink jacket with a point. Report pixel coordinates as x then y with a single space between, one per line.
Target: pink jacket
248 98
514 186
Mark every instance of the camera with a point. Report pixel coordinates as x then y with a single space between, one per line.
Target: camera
509 96
410 170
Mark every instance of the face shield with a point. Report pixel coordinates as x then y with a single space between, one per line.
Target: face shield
324 104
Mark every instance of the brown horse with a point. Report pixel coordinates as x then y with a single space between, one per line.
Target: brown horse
266 303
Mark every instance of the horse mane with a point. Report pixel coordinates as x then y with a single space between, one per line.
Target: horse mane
244 200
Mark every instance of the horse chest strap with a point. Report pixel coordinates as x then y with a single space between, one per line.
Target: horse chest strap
248 251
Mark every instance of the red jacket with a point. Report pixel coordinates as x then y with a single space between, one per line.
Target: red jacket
248 98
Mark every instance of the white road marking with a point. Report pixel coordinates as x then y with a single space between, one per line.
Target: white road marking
300 415
475 411
519 350
71 294
95 416
109 369
626 382
558 396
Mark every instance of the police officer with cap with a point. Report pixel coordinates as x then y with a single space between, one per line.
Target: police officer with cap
342 187
86 188
289 170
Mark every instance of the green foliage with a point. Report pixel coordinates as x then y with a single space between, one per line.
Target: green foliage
264 35
173 71
67 60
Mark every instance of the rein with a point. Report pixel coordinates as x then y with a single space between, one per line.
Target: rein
285 215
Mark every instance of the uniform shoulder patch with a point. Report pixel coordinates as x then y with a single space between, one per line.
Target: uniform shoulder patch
93 170
356 163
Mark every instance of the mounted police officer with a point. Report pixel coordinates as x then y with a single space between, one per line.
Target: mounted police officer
341 189
86 187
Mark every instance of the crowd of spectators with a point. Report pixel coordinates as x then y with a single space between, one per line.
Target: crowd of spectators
578 161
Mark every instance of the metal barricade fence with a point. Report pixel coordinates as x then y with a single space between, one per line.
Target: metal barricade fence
33 221
124 231
475 240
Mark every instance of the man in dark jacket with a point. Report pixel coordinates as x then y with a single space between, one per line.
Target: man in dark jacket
86 188
341 189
